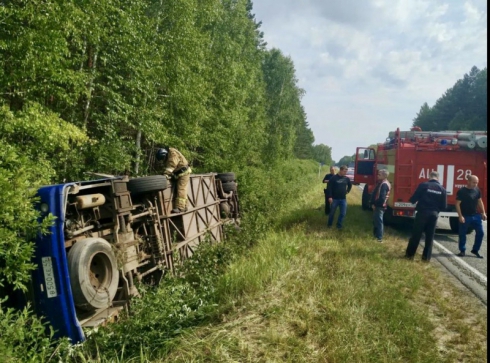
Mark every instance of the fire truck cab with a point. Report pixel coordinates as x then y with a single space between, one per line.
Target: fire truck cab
410 156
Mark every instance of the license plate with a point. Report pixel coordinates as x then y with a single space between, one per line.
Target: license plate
404 205
49 277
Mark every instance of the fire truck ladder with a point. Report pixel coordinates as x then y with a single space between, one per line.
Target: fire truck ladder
403 178
403 172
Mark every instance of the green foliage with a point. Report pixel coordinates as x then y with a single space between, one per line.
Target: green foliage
269 192
23 338
303 148
142 74
323 154
233 134
284 112
462 107
37 62
346 160
35 144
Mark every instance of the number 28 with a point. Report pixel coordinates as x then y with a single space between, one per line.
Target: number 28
463 174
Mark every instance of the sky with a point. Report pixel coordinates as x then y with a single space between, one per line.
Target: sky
367 66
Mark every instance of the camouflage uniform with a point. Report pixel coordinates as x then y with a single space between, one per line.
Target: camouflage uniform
177 167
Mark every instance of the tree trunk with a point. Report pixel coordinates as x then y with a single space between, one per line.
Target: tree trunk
136 166
90 90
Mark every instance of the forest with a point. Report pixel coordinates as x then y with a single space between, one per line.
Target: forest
461 107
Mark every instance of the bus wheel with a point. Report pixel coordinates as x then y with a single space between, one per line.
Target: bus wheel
94 276
226 177
147 184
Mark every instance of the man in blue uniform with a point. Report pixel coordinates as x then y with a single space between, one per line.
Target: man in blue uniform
430 197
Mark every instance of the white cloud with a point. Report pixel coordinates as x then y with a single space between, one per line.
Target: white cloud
473 14
367 67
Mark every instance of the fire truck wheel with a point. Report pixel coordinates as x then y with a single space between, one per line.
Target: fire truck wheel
454 224
147 184
229 187
365 198
388 218
226 177
94 276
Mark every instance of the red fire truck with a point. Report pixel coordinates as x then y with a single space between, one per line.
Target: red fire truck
409 157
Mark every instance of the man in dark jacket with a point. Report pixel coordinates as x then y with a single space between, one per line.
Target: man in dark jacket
379 198
338 187
326 179
430 197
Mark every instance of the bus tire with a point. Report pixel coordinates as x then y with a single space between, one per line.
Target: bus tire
226 177
229 187
147 184
94 276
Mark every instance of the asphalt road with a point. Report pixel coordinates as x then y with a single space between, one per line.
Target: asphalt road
469 270
445 237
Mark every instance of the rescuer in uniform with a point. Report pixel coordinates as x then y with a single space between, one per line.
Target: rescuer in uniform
177 168
430 197
468 201
326 179
378 202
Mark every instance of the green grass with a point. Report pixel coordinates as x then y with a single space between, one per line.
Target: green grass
312 294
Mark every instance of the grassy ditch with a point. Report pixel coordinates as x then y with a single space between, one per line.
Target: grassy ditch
312 294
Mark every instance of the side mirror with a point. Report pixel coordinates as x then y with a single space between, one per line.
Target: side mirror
366 156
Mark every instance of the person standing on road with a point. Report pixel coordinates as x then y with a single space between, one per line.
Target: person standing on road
326 179
176 168
378 201
339 186
468 202
430 197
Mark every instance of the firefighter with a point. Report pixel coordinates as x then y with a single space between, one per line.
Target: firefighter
430 197
176 168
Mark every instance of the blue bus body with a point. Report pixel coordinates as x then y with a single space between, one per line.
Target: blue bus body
52 291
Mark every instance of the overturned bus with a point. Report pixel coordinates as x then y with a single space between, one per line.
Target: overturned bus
112 232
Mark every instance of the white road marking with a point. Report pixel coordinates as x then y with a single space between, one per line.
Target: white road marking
473 272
